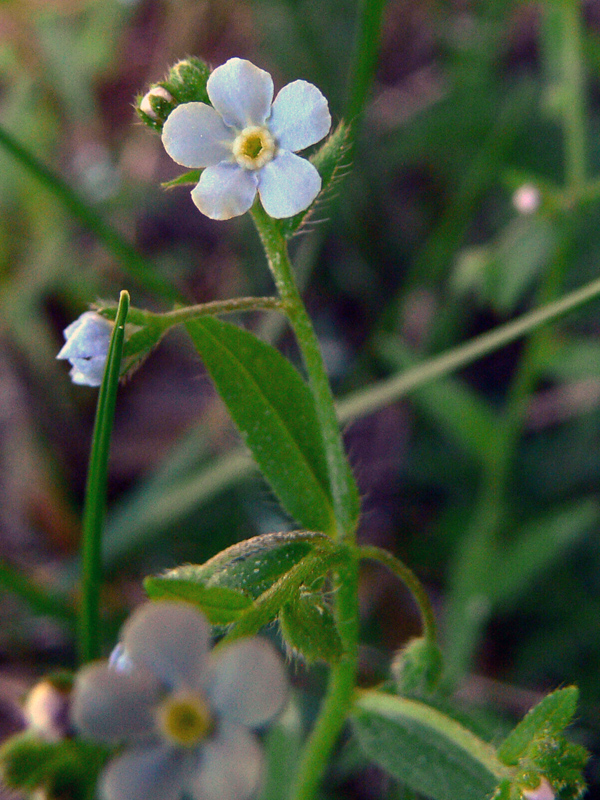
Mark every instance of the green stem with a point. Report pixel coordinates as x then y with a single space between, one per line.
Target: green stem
90 638
41 601
239 304
340 690
410 580
137 266
360 403
343 488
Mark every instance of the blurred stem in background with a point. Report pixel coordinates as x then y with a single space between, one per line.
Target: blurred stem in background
469 606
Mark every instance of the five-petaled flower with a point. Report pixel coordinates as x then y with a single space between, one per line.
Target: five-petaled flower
248 143
186 713
87 341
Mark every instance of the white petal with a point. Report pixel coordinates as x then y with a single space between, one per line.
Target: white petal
225 191
288 184
88 371
249 684
88 336
110 706
170 640
241 93
300 116
194 135
230 767
147 773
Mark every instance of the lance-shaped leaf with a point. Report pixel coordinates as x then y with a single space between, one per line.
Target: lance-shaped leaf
283 592
220 605
275 413
251 566
251 582
426 750
550 716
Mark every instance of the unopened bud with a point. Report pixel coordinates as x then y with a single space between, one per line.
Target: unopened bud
47 709
526 199
187 80
418 666
148 100
542 792
155 106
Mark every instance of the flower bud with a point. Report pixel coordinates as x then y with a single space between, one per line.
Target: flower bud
86 348
187 80
184 83
417 666
526 199
155 106
47 708
542 792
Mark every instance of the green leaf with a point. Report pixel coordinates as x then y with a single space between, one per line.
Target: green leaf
537 545
425 749
284 591
221 605
249 583
252 566
551 715
574 359
308 626
190 178
275 413
331 161
143 332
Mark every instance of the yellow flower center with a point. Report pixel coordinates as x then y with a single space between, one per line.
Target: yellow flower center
184 719
254 147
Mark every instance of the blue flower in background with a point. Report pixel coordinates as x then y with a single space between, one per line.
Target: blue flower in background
184 712
87 341
248 143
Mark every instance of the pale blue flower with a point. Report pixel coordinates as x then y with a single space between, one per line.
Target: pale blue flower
87 341
184 712
248 143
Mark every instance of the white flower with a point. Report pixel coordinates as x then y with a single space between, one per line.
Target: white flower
184 712
247 142
87 341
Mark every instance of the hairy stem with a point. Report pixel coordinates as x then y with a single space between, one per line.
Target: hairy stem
343 488
410 580
340 689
